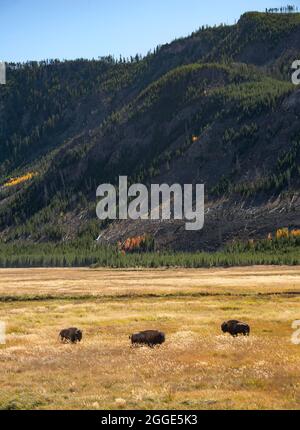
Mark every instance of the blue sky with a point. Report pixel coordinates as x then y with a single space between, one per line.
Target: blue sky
67 29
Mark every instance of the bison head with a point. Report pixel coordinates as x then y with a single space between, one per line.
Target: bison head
224 327
79 335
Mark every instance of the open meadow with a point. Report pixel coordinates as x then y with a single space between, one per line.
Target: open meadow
197 368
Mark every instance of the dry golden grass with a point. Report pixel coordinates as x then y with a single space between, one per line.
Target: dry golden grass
197 368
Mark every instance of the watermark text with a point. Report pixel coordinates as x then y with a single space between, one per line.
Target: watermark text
160 202
2 333
2 73
296 73
296 335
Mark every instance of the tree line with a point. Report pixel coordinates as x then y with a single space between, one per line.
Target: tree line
283 9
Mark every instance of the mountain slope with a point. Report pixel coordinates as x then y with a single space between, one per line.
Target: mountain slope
216 108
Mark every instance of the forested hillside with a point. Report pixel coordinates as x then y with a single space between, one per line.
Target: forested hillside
217 107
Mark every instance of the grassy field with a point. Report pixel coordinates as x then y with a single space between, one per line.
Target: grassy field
197 368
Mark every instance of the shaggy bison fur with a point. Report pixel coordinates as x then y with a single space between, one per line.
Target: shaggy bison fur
235 328
72 335
149 338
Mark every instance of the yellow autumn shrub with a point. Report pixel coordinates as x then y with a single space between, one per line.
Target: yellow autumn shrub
282 233
295 233
19 180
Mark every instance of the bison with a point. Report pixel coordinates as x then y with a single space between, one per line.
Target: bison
72 335
148 337
235 327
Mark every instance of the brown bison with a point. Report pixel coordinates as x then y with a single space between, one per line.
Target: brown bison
235 327
148 337
72 335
